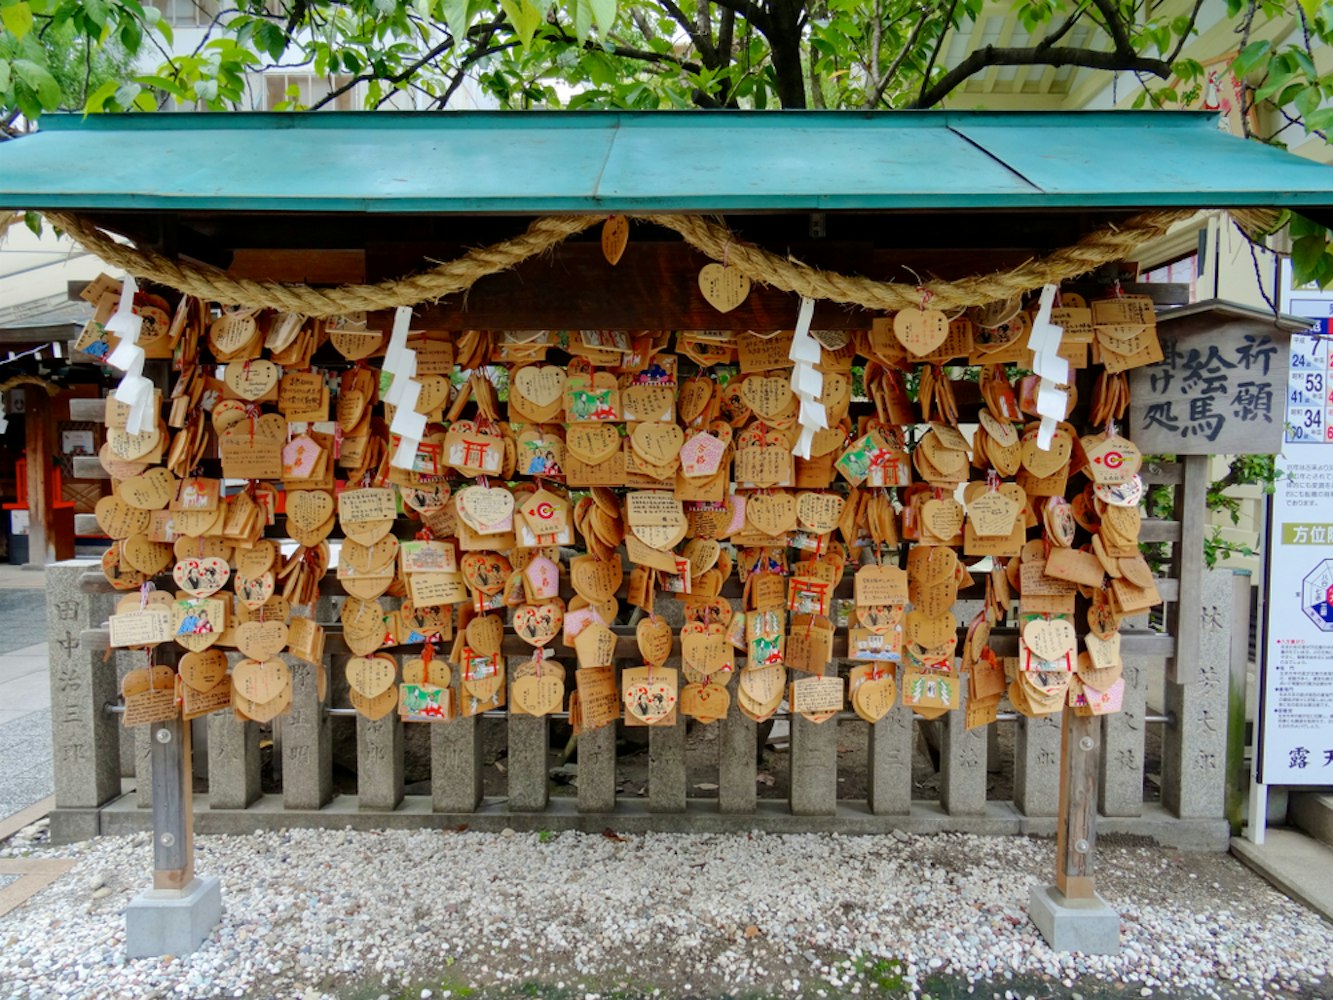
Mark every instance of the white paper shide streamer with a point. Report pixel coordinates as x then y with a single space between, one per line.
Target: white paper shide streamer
1052 401
806 380
401 362
135 391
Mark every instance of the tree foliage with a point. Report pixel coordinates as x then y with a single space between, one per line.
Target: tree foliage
117 55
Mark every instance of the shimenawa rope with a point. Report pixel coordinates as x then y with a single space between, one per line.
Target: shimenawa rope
709 238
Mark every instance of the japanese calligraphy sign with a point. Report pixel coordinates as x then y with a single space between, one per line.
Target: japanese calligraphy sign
1218 389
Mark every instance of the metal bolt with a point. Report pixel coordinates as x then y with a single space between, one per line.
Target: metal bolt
164 736
1085 743
168 839
1080 845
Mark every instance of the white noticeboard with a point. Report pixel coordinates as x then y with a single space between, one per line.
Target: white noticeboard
1296 725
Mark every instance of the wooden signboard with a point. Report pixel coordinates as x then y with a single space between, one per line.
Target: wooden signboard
1220 386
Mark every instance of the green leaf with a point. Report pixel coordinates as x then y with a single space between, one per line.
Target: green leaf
131 35
603 14
1305 254
582 19
1321 119
33 220
41 81
126 94
455 16
1307 101
4 74
1273 85
18 19
1305 63
524 16
270 39
1311 7
1301 226
96 102
1250 58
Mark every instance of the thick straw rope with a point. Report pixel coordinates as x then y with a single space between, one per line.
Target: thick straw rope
711 239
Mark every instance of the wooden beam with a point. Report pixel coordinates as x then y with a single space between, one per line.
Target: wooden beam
37 450
655 287
311 267
13 337
1076 830
173 814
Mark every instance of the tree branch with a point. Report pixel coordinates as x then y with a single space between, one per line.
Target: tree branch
751 11
396 78
934 55
1194 16
1115 27
1063 30
702 43
988 56
882 84
625 51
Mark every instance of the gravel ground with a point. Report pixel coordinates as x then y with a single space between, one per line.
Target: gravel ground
447 914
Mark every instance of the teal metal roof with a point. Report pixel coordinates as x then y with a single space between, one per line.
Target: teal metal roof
536 162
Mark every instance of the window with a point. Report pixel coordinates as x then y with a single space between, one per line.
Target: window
188 13
1176 272
308 88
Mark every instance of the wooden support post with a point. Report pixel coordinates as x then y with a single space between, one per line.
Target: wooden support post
37 442
1076 830
173 815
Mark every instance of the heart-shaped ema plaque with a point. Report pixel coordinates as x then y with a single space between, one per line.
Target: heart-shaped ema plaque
1049 638
201 577
486 510
203 671
920 330
538 624
768 396
942 518
723 287
252 379
261 681
371 676
658 444
592 443
150 490
253 592
538 694
655 639
649 693
261 640
873 698
309 509
485 634
772 513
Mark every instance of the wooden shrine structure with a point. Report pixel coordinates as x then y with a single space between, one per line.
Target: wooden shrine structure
250 205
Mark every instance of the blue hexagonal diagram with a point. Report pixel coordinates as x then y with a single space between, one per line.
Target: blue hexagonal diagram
1317 595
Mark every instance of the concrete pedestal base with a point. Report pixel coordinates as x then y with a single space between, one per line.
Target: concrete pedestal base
1085 925
171 921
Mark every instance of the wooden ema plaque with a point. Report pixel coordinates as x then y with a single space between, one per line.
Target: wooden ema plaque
668 461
